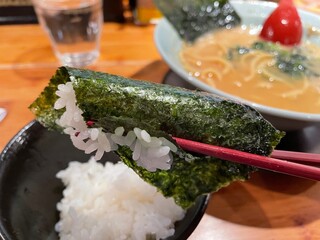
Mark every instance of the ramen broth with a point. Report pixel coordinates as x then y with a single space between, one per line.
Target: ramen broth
253 75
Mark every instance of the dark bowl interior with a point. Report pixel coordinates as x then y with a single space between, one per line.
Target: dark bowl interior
29 189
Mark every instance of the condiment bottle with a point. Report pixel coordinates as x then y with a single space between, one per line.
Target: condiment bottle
145 12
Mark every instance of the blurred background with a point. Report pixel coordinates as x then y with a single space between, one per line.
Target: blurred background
138 11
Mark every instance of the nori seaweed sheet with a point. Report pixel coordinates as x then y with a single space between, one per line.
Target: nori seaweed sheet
162 110
193 18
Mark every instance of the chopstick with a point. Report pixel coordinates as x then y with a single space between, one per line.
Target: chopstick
268 163
296 156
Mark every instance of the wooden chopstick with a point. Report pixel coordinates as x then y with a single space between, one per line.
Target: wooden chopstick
268 163
296 156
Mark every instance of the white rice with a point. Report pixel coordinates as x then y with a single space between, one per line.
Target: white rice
112 202
152 153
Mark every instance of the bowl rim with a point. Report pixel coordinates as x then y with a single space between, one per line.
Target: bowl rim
164 25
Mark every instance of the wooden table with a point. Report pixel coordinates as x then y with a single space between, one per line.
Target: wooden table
268 206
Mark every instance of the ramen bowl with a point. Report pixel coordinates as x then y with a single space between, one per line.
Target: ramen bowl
30 190
252 13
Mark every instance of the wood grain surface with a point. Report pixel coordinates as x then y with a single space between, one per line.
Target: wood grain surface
268 206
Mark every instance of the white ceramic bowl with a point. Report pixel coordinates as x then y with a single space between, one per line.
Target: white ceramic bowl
251 12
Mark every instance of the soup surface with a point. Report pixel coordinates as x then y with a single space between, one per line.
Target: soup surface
236 61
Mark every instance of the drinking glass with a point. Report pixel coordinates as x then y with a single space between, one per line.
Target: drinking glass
3 113
74 28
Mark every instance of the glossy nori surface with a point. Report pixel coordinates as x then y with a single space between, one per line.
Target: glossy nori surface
192 18
112 101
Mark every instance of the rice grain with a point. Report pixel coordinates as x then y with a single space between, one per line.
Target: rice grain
112 202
